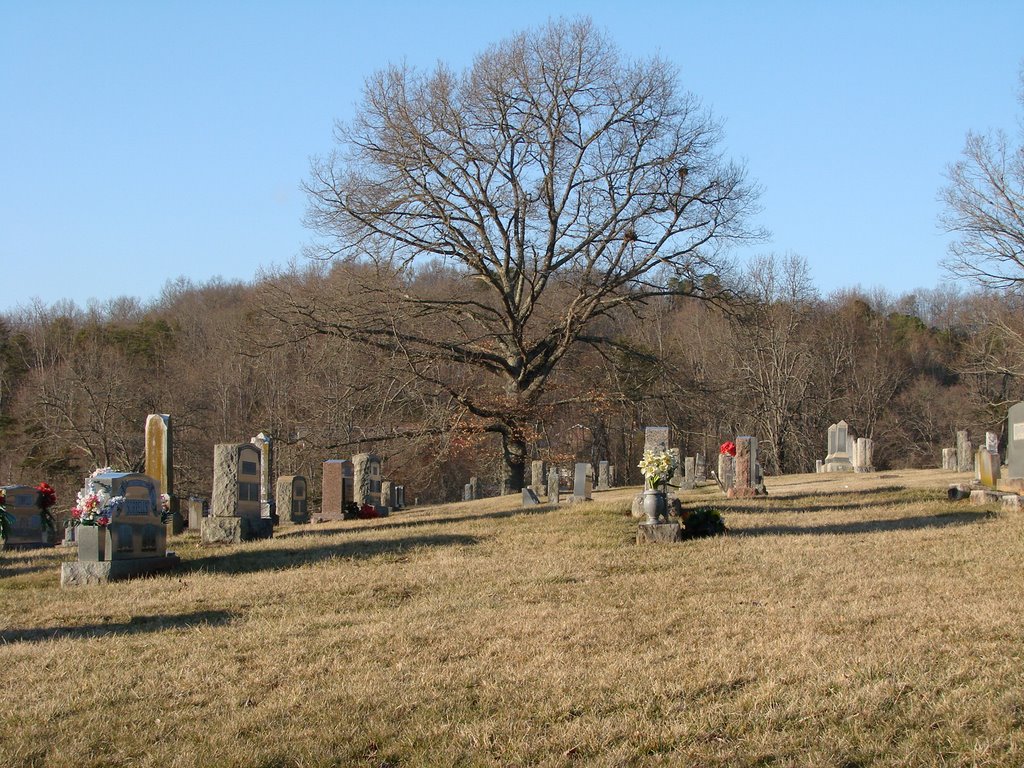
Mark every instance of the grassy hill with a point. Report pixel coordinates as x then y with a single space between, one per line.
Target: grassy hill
843 621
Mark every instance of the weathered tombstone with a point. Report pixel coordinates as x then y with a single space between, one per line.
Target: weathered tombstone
819 466
726 471
467 492
949 459
611 476
387 495
689 479
657 439
700 469
988 468
746 472
236 513
964 451
290 498
1015 442
863 450
582 483
538 478
134 542
530 498
366 480
676 480
27 527
603 478
838 458
474 488
400 497
196 513
337 489
554 492
160 464
266 446
992 442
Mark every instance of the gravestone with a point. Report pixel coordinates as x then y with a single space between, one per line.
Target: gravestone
746 468
603 478
992 442
387 495
554 492
266 445
160 463
337 488
530 498
582 483
474 488
467 492
700 468
366 480
196 513
964 451
1015 442
819 466
291 500
133 543
949 459
689 480
838 458
399 497
236 512
726 471
863 450
676 479
27 528
657 439
988 468
538 478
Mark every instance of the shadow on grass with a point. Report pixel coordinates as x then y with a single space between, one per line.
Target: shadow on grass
852 492
399 524
134 625
269 559
866 526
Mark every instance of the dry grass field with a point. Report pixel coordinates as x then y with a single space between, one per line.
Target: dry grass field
846 621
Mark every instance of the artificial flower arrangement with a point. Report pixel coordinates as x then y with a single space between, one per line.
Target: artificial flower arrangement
93 505
165 507
45 499
728 448
656 468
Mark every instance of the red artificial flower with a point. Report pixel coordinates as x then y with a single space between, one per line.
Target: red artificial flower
367 512
76 513
728 448
47 496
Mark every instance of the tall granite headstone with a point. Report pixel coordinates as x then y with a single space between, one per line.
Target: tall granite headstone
366 480
746 467
603 477
554 492
236 513
964 451
657 439
291 501
266 446
538 478
582 483
336 488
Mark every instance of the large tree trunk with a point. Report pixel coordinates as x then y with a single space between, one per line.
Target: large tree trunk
513 451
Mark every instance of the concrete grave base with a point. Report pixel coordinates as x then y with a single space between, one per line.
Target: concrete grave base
980 497
658 533
235 530
82 573
1011 502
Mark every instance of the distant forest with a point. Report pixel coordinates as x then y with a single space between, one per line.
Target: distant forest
776 360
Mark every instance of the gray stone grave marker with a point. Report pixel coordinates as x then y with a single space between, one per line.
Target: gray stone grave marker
266 447
27 529
838 458
1015 442
291 500
366 480
603 477
964 451
554 491
236 512
582 483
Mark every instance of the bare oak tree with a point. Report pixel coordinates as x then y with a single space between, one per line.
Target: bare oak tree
985 208
557 179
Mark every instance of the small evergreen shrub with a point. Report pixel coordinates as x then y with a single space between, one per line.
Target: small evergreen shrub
701 522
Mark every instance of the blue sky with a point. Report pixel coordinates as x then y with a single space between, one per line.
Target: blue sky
143 141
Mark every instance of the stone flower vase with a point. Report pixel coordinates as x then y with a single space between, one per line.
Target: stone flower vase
92 543
655 505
